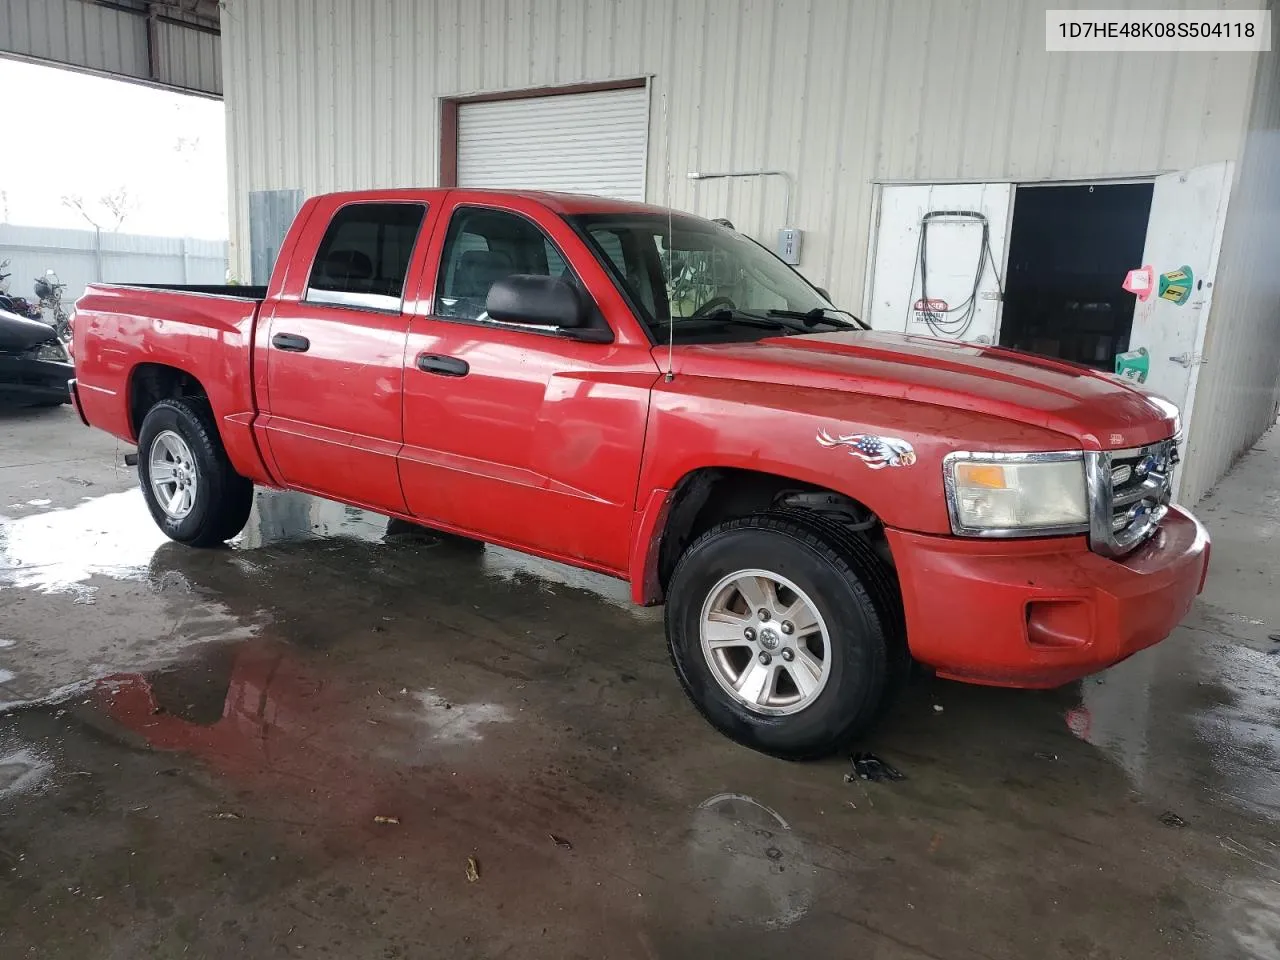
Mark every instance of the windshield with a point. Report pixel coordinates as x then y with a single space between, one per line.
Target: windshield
698 282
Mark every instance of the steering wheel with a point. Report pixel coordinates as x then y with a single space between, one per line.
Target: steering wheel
713 304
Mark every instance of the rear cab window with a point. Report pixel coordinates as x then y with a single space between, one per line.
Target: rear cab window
364 256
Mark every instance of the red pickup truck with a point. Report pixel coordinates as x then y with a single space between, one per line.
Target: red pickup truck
654 396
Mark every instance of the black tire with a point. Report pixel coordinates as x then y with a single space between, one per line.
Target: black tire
886 594
843 585
223 497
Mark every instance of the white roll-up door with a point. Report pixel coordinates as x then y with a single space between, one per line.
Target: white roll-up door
575 143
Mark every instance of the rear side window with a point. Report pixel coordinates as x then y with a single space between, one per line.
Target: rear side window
365 254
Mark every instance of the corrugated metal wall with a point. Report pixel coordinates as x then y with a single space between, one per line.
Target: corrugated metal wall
1237 393
112 39
340 94
79 257
326 94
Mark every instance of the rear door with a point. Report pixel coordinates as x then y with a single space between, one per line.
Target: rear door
518 434
937 260
335 353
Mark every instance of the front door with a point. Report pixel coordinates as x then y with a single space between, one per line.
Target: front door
521 435
937 259
335 358
1184 236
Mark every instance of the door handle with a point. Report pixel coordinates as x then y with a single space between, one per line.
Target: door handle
445 366
291 342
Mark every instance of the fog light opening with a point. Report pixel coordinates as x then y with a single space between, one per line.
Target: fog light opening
1059 624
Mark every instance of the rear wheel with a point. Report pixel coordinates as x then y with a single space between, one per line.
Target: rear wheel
191 489
778 635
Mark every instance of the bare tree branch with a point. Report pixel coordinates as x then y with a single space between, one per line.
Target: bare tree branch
118 204
76 202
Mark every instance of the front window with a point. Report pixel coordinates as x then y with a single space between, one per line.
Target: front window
483 247
697 282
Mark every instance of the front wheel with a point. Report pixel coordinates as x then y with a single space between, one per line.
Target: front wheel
191 489
776 636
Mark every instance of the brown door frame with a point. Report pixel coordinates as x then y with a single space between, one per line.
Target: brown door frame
449 114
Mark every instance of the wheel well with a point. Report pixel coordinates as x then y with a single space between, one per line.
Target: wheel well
152 382
711 496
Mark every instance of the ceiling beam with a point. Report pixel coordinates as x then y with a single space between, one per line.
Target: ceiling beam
168 43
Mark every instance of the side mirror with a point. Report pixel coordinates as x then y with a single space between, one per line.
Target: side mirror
535 300
825 296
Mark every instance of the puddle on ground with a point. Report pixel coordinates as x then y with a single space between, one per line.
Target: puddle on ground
109 593
114 536
457 722
754 869
1253 915
1224 689
294 729
506 564
281 517
58 551
23 770
1242 730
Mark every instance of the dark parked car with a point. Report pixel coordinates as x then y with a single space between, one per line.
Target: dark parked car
34 365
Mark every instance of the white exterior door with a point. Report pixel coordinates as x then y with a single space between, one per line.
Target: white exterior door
938 259
574 143
1188 211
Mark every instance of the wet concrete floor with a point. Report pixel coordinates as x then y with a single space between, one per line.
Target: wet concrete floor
293 747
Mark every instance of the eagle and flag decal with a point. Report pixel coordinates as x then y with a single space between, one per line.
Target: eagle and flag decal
876 452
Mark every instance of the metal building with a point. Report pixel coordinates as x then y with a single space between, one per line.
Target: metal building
164 43
847 121
873 132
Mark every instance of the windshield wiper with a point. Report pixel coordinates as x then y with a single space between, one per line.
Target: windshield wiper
813 317
769 320
726 315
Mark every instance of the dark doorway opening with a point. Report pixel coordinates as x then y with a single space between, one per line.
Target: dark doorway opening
1069 251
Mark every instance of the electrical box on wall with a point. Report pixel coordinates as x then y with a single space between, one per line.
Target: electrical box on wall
789 245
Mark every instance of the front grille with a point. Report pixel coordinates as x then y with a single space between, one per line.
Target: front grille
1129 492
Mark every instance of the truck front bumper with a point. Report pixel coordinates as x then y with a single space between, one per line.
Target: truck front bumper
1043 612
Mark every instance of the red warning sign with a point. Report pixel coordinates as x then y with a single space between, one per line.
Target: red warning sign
929 311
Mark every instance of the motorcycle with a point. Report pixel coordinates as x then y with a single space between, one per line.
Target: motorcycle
49 291
18 305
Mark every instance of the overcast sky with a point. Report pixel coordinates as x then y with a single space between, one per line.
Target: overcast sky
73 134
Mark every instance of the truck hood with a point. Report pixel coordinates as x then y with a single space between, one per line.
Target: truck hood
1101 411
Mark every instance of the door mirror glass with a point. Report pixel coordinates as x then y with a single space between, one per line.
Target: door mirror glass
535 300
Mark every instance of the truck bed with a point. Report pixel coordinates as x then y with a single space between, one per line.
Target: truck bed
204 332
235 290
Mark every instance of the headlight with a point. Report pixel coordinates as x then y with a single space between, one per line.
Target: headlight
1016 494
53 350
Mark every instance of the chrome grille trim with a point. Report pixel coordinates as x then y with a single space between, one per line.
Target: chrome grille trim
1122 518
